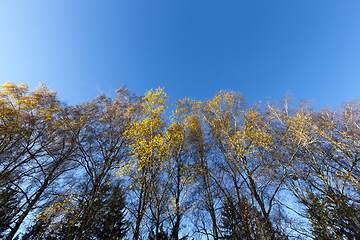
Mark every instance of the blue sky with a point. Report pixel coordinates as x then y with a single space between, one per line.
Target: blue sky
191 48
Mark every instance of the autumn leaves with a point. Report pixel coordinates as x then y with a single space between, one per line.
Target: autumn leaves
216 168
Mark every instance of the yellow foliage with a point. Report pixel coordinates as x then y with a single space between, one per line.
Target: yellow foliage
149 139
55 212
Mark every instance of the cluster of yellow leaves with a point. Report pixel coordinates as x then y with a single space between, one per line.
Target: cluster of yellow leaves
155 103
300 128
251 133
242 128
21 108
149 145
55 212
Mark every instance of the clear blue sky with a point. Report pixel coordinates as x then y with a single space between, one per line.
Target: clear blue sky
192 48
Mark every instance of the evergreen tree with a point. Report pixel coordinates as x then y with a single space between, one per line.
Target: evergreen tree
109 214
328 220
162 235
106 219
239 220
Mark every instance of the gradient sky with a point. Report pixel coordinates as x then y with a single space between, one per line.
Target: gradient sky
192 48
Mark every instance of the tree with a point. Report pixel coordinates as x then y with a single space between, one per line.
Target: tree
110 221
318 161
9 204
103 143
242 136
183 168
240 220
329 221
44 147
100 135
15 136
148 169
206 204
61 219
162 235
213 169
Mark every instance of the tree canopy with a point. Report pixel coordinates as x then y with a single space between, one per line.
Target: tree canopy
125 168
